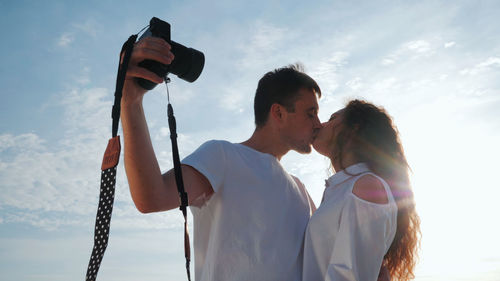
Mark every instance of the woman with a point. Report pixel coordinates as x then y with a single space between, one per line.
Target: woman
367 217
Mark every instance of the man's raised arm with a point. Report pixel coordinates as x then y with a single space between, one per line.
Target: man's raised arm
151 191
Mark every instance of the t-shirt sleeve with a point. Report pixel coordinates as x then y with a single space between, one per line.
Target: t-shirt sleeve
303 190
365 233
209 160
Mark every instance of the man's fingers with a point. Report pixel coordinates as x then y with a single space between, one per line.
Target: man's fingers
155 46
150 48
141 72
140 54
154 42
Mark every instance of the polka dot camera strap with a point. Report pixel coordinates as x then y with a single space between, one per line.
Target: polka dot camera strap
105 208
108 172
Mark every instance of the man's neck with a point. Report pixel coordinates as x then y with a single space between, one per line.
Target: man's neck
266 140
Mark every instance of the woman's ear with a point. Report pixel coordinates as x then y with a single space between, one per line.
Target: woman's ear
351 136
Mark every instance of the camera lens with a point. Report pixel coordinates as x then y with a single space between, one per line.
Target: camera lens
188 62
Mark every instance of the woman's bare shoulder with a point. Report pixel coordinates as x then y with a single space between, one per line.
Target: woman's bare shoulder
371 189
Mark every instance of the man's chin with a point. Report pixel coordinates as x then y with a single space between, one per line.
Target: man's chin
304 149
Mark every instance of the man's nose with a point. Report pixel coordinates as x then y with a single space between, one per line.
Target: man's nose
317 123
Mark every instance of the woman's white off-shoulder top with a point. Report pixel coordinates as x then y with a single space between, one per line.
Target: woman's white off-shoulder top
347 237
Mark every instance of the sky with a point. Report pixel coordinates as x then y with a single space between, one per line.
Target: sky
433 65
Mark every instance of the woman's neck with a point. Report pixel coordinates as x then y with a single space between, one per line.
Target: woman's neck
347 160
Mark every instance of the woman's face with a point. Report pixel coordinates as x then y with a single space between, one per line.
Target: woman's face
325 140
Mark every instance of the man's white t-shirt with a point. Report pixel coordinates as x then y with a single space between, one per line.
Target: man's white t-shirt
252 227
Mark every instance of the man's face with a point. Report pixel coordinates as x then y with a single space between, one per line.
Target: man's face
301 126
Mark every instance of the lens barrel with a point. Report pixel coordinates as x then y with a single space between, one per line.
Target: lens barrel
188 62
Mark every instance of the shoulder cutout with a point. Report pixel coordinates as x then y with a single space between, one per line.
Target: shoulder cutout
370 188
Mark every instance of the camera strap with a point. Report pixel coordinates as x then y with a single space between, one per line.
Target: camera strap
178 178
108 171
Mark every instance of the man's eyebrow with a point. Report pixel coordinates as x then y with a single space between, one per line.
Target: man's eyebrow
313 108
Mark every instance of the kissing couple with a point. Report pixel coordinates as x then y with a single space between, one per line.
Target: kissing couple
255 221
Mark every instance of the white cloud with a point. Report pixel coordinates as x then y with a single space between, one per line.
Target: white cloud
233 101
51 185
385 84
327 71
355 83
263 43
449 44
89 27
388 61
164 132
23 141
411 50
418 46
489 63
84 77
57 177
267 36
65 39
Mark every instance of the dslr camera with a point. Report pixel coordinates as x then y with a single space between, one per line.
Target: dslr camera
187 64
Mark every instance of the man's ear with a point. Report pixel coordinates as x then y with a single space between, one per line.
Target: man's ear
276 112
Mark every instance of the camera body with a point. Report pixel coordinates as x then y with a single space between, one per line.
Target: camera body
187 64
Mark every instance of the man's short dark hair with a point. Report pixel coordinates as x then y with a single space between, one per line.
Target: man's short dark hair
281 86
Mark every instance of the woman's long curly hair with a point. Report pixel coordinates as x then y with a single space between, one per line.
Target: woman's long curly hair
369 133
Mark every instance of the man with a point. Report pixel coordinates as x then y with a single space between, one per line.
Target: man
249 213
